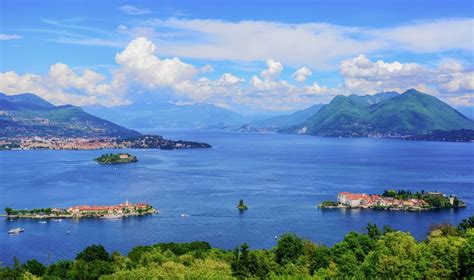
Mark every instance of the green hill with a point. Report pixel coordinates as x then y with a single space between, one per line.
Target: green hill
27 115
384 114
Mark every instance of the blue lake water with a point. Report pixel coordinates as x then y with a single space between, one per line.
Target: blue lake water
281 178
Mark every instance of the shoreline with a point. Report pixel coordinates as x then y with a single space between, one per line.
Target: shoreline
101 216
340 207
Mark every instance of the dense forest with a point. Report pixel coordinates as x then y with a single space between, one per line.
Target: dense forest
446 253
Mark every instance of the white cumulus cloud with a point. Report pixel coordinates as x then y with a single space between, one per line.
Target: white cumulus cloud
301 74
274 69
138 63
134 11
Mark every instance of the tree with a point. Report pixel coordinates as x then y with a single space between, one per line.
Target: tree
34 267
59 270
396 255
445 229
387 229
93 252
373 231
320 258
92 270
8 210
466 256
241 261
289 248
441 255
466 224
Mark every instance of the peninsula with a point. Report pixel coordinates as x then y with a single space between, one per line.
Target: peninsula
84 211
116 158
401 200
28 122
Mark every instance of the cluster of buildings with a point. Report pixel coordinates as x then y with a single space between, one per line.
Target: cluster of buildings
358 200
61 143
119 209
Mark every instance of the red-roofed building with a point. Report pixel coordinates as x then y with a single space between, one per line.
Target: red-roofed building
113 209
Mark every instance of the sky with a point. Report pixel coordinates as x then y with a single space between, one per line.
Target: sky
249 56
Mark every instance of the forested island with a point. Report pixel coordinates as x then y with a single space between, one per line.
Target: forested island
402 200
446 253
116 158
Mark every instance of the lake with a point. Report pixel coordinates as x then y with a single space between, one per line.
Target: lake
282 179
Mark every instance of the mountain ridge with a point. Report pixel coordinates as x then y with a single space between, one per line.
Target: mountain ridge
25 115
409 113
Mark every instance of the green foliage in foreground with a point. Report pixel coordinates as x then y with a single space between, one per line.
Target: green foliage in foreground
447 253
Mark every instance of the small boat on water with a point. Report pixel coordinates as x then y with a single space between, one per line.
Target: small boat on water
184 215
42 222
57 220
16 230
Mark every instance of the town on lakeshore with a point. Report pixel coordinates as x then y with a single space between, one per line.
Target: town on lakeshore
403 200
121 210
95 143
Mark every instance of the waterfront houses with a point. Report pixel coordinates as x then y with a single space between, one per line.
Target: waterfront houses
94 211
393 200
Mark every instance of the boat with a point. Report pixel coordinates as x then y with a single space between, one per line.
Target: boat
112 216
42 222
184 215
57 220
16 230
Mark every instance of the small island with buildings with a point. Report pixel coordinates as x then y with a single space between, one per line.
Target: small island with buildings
121 210
116 158
401 200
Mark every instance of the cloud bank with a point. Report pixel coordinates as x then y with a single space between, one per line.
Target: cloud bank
139 69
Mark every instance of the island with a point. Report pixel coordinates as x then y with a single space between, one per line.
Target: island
402 200
121 210
116 158
242 205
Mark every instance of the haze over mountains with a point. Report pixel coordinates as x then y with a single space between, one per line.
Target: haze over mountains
283 120
156 115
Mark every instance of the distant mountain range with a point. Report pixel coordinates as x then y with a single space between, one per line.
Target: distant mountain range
277 122
166 115
383 114
26 115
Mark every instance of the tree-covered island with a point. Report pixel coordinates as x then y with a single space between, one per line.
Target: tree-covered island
116 158
403 200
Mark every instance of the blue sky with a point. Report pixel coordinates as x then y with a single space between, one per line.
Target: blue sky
252 56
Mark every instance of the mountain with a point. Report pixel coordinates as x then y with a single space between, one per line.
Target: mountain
27 115
167 115
23 101
383 114
286 120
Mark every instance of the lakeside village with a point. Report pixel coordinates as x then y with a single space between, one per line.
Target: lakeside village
85 211
401 200
95 143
